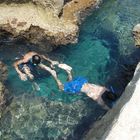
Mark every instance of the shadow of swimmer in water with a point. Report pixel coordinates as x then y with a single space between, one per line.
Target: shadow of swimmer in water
26 67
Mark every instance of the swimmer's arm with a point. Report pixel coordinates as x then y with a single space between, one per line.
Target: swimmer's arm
51 61
16 66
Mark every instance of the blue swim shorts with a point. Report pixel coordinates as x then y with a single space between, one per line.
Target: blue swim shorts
75 85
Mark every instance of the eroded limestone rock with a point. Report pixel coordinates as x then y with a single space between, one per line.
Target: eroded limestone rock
50 19
136 35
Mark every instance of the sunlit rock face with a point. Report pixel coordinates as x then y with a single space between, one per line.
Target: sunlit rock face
136 35
44 22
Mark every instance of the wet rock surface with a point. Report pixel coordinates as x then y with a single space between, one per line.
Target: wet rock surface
53 22
136 35
31 117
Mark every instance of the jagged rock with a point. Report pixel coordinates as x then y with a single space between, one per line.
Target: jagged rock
136 35
44 22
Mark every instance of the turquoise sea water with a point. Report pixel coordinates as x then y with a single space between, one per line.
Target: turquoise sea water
105 55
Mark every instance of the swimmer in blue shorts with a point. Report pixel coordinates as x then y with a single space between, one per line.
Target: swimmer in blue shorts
93 91
26 65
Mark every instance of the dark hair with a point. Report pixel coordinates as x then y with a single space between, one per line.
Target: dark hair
36 59
109 98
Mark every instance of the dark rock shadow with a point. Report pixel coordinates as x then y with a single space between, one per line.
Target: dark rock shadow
95 113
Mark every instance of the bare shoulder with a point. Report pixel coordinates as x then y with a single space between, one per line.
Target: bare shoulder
28 56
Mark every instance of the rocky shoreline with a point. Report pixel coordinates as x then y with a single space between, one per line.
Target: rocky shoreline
44 22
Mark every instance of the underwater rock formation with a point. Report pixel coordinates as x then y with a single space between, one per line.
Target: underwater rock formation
31 117
45 21
136 35
4 94
3 72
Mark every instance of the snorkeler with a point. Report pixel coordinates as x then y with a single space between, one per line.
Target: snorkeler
95 92
31 60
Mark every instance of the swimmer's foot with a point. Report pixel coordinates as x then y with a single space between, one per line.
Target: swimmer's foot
69 77
61 87
65 67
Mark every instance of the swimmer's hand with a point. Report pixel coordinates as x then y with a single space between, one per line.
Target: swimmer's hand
65 67
23 77
31 76
54 63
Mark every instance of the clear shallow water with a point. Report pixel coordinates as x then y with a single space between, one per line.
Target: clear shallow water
104 55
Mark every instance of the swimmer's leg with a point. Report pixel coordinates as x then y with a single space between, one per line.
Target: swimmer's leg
53 73
68 70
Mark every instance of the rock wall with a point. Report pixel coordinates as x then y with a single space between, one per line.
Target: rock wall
127 125
121 122
44 21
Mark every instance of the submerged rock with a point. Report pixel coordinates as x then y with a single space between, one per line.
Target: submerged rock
3 72
136 35
4 94
47 21
31 117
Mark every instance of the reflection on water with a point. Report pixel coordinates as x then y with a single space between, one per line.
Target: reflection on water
105 55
